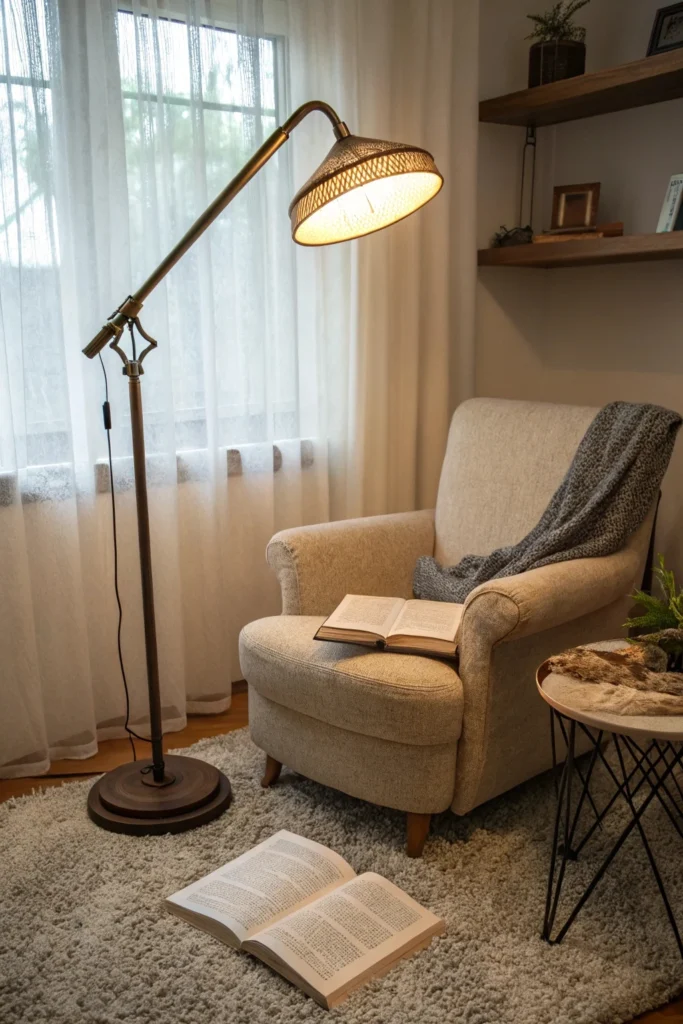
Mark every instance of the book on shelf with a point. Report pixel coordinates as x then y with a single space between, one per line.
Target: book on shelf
672 205
301 909
393 624
586 229
614 229
568 236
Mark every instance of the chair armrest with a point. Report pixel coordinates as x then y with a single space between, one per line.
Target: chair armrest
541 611
518 606
318 565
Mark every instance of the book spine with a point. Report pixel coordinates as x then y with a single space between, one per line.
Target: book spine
672 204
575 236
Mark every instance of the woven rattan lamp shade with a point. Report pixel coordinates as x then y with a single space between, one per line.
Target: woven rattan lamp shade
361 186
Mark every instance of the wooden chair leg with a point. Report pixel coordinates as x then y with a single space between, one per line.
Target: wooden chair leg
417 828
272 772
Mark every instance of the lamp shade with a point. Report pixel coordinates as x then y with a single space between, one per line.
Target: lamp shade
361 186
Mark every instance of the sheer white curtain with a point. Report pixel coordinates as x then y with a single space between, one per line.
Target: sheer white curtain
290 385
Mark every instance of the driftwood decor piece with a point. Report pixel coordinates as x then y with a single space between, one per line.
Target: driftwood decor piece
632 680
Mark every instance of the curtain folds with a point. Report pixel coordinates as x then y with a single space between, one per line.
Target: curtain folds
290 385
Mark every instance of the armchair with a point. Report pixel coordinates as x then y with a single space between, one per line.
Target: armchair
416 733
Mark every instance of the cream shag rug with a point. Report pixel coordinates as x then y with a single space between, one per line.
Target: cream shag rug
84 938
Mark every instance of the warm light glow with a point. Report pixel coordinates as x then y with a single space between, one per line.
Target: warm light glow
368 207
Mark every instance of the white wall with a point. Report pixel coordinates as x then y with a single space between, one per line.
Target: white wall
588 335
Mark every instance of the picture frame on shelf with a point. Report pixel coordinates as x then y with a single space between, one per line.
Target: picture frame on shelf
575 207
667 31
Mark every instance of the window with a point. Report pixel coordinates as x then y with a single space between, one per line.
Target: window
29 252
191 93
196 100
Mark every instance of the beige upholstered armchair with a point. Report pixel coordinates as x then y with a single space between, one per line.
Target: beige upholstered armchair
416 733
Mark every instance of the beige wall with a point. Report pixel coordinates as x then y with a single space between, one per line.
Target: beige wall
594 334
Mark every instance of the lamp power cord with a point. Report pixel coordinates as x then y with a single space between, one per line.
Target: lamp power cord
132 735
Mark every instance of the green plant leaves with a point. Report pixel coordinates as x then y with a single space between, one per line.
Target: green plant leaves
659 613
556 24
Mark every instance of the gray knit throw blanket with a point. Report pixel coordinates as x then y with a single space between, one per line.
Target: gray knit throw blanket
608 490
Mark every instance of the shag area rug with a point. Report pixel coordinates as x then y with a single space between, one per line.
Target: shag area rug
84 938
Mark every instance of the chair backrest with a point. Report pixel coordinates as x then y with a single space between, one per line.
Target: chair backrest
503 463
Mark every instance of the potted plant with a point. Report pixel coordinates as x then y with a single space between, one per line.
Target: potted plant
560 48
661 620
512 236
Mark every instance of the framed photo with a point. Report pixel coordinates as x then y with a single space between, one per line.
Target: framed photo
575 207
667 31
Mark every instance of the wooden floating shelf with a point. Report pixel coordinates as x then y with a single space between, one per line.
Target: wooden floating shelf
591 252
651 80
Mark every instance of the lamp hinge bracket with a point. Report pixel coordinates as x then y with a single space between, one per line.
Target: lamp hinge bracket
133 367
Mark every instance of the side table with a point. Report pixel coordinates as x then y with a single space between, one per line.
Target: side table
649 755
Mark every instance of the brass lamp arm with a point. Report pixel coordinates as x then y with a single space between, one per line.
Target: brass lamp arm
130 308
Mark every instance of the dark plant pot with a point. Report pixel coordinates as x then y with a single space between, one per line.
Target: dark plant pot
552 62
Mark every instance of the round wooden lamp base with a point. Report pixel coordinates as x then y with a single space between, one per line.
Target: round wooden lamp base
128 800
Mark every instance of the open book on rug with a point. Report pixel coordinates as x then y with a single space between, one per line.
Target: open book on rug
301 909
392 624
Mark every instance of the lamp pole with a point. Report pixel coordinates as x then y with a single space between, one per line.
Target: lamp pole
144 541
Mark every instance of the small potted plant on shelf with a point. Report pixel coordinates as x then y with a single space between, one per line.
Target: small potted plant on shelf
559 50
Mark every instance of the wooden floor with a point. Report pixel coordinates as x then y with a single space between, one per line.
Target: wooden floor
115 752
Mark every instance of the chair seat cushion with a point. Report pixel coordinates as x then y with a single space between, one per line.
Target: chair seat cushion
399 697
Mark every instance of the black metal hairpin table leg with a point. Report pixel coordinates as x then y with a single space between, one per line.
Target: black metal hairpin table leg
648 850
656 766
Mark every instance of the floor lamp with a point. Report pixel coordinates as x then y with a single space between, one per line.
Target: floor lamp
361 186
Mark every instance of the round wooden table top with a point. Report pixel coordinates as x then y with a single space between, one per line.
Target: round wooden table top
554 688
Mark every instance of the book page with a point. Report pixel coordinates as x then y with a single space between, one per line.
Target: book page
265 884
370 614
347 934
437 619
